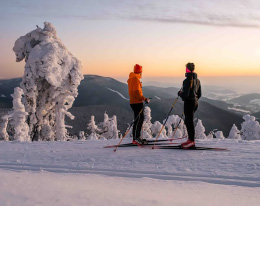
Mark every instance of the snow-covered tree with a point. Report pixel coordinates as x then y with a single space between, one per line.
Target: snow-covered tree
200 131
170 122
104 126
156 128
179 128
219 135
210 136
108 128
19 116
82 136
113 127
250 128
3 128
47 133
234 133
50 82
93 128
146 129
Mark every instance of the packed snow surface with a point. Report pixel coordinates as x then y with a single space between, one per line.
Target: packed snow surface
85 173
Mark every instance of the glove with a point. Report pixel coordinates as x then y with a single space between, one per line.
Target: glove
179 93
147 100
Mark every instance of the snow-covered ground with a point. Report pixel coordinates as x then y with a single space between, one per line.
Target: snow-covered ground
84 173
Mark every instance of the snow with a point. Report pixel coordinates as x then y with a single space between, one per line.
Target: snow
122 96
85 173
239 109
255 101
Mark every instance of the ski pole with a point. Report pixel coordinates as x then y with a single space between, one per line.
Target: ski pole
173 105
130 127
175 130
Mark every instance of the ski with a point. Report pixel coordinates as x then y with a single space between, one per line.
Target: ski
195 148
150 142
131 144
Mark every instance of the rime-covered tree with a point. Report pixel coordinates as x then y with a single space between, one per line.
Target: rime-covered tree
82 136
3 128
113 126
50 82
170 122
179 128
108 128
147 124
250 128
234 133
156 128
19 117
200 130
94 130
104 126
219 135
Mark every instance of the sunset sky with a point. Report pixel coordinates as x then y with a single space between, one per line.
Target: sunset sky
222 37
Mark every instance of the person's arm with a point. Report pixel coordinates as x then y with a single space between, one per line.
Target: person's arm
138 93
184 94
199 91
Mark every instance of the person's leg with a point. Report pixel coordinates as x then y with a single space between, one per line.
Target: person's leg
140 121
138 117
189 115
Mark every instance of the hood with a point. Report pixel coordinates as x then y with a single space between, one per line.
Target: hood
189 75
132 75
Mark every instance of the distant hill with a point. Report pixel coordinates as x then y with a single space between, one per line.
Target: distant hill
99 94
248 101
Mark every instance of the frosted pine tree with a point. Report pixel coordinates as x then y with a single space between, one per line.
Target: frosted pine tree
113 126
210 136
94 130
219 135
82 136
170 122
200 131
156 128
104 127
146 129
179 128
3 128
234 133
19 116
50 82
250 128
47 133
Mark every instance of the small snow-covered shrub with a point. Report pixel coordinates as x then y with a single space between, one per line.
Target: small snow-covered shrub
200 130
146 129
156 128
234 133
219 135
250 128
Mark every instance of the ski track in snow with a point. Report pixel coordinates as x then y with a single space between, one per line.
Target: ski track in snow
122 96
240 166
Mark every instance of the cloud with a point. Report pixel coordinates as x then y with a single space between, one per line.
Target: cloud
234 13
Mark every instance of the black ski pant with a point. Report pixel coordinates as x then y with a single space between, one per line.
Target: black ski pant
139 119
190 107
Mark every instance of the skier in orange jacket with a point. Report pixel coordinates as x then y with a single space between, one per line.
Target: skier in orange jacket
136 102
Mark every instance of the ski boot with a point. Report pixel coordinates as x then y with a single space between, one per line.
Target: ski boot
188 145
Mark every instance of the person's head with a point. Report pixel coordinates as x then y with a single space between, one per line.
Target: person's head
138 69
190 67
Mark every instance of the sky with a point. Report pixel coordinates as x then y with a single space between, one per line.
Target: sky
222 38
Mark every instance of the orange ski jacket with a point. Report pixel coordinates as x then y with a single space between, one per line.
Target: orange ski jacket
135 88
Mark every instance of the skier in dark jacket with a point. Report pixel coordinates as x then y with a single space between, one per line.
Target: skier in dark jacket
190 94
